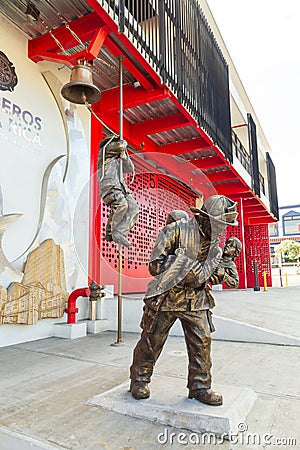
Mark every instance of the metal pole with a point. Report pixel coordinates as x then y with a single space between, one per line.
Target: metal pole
119 333
256 285
265 281
280 269
286 279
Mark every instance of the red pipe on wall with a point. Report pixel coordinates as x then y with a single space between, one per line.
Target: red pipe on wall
71 310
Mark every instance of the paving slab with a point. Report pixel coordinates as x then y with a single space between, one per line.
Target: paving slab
45 384
9 440
277 309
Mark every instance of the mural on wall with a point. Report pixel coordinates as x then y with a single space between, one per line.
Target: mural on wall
31 300
45 164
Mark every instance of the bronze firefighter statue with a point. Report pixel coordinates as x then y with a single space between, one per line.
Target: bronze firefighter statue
113 161
185 258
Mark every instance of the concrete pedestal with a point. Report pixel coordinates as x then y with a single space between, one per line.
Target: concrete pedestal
169 405
97 326
217 287
69 331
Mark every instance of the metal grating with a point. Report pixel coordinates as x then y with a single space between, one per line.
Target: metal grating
153 110
176 135
197 156
53 14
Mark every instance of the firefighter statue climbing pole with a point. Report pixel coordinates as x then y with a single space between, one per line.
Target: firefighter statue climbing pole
113 161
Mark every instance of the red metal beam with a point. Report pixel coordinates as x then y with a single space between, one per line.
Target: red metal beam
116 50
223 175
87 54
209 162
97 42
144 145
260 220
253 209
230 188
113 123
45 48
88 28
109 101
187 146
256 214
159 124
251 202
243 272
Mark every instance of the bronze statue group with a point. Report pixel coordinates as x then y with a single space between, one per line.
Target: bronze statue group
186 260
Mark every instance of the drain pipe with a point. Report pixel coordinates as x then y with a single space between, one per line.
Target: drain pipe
71 310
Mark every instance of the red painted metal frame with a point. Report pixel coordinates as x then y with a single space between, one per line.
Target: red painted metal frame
242 274
258 249
159 124
132 50
99 29
187 146
99 26
132 97
95 205
223 175
87 28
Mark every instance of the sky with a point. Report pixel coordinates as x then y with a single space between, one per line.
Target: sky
263 39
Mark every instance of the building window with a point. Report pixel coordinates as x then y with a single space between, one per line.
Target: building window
291 224
273 229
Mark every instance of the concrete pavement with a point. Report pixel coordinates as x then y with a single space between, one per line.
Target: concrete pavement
44 385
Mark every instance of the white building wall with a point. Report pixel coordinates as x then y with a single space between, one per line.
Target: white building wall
32 135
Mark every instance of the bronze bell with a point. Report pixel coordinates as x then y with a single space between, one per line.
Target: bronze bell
81 89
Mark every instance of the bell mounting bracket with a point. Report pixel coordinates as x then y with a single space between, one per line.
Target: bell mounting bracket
88 28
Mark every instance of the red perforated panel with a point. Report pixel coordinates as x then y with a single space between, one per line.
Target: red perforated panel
156 195
238 231
257 249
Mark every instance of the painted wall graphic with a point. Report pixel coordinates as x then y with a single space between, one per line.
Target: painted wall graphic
44 160
31 138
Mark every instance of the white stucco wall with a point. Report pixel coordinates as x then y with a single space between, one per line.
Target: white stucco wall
32 135
26 149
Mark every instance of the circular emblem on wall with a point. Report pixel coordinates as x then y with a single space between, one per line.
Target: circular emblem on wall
8 77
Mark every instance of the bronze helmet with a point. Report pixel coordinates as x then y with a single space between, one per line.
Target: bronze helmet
219 208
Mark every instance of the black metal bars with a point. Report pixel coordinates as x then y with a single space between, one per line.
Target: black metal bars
175 38
253 154
272 186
